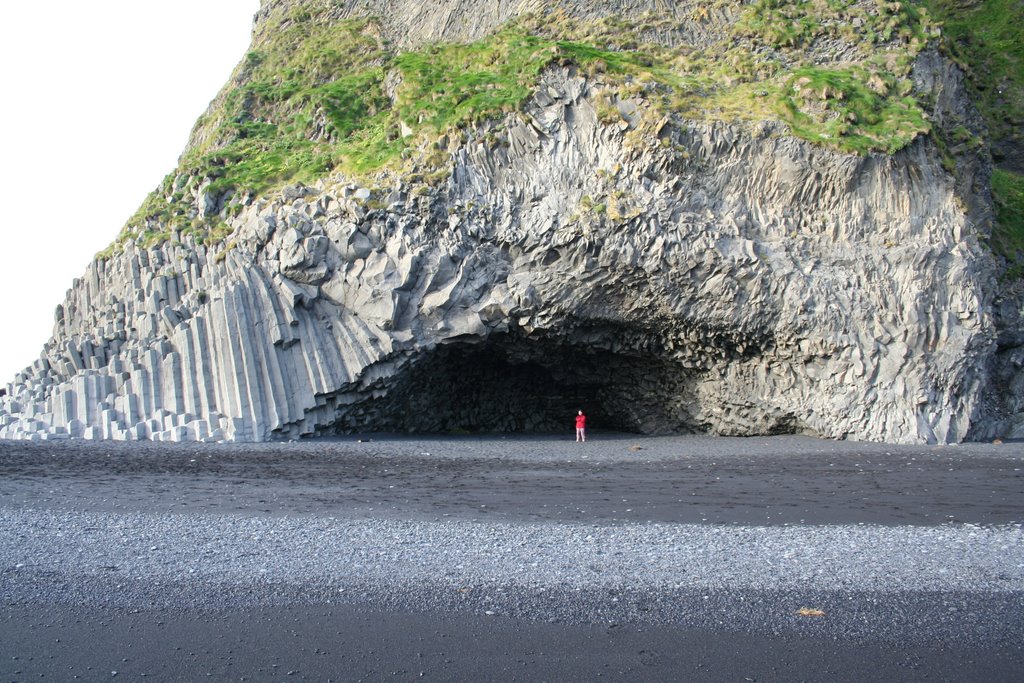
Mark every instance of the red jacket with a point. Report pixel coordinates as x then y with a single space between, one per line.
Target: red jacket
581 421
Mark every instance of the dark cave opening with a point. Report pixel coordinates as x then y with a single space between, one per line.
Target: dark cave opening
508 385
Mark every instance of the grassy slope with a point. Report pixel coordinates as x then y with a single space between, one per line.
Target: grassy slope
315 95
1008 235
987 38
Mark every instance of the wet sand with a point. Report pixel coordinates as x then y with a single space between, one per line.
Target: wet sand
611 479
64 620
346 644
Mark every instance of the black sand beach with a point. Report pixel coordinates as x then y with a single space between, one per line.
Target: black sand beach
346 644
692 480
683 558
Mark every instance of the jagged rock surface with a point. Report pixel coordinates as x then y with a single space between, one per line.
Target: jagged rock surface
712 277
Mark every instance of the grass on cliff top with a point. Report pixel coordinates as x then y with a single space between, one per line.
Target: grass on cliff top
846 108
796 24
316 95
311 82
1008 234
286 123
860 107
446 85
986 37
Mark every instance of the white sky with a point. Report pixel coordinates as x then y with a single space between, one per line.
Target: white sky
98 101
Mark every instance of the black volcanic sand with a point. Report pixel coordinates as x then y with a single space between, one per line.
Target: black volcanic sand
612 479
346 644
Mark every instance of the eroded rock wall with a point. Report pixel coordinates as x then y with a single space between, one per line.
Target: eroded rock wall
700 277
413 23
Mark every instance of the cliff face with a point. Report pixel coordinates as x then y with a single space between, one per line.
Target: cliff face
589 247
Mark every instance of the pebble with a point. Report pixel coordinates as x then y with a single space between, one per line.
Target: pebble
904 581
562 571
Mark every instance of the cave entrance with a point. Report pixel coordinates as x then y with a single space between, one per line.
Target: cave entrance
506 385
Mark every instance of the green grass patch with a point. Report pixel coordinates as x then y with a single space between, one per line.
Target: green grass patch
1008 233
781 24
351 101
315 95
796 24
449 85
986 37
838 107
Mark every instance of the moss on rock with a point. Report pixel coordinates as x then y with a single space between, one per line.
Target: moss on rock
316 94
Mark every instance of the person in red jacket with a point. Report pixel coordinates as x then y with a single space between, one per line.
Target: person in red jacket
581 426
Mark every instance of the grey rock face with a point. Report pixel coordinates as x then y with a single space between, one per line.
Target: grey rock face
706 277
411 22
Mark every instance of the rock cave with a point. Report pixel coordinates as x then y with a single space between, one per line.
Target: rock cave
591 246
509 383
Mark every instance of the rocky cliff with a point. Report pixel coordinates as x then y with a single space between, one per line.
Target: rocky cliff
483 216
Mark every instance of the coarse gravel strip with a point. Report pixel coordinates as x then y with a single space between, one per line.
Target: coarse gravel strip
237 549
875 583
615 552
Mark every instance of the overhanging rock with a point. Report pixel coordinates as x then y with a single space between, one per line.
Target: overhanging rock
728 279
